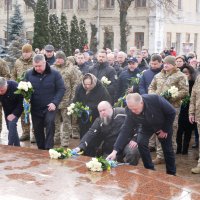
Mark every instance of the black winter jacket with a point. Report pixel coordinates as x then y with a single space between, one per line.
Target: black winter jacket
93 98
159 115
107 133
12 103
48 88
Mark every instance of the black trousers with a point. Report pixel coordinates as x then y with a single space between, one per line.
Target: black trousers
44 139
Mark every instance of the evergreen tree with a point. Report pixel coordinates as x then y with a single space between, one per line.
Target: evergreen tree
54 31
14 51
83 34
41 31
93 39
74 35
64 32
16 23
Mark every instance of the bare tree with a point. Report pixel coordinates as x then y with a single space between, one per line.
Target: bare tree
123 9
30 3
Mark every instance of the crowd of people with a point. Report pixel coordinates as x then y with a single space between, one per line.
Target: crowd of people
131 114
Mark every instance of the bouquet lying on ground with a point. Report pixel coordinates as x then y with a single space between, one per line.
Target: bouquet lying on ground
105 81
25 89
100 164
170 93
61 153
80 111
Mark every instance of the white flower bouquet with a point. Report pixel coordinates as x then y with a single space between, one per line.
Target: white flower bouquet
80 111
105 81
25 89
100 164
61 153
170 93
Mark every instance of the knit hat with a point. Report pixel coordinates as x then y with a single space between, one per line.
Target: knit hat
27 48
61 54
170 59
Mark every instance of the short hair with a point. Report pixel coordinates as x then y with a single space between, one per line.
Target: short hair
3 82
79 54
102 51
122 53
157 57
135 98
38 57
106 103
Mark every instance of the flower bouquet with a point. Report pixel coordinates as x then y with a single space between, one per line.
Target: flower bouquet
61 153
105 81
100 164
185 102
134 81
81 111
121 102
170 93
25 89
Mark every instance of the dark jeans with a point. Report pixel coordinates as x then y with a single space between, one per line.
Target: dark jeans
143 142
44 139
13 137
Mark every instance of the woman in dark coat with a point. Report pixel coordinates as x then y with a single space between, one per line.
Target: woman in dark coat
185 128
90 93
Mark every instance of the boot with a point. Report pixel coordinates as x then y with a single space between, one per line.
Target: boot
24 137
195 170
158 161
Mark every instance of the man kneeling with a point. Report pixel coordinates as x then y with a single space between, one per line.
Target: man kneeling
106 129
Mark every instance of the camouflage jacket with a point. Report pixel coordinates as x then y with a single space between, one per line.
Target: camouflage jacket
194 108
164 81
72 77
4 69
20 67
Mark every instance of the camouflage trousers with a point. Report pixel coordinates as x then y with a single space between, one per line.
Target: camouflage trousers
159 151
152 141
26 128
63 128
75 128
198 127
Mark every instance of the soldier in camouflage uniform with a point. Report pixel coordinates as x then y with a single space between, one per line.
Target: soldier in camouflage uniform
194 114
4 72
71 77
169 76
75 126
21 65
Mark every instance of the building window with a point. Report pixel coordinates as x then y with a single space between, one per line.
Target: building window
52 4
139 40
67 4
8 3
83 4
140 3
109 3
187 37
195 41
178 42
169 39
179 4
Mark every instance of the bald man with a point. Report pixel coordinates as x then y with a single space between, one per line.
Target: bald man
148 114
107 127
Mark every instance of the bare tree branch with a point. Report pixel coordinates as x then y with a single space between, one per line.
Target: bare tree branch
30 3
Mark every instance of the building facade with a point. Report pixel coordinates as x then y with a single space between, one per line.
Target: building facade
149 25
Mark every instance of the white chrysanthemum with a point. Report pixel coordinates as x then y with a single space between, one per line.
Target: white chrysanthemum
29 84
105 80
94 165
22 86
68 113
72 105
174 91
54 154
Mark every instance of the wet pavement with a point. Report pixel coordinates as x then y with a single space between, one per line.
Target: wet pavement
29 174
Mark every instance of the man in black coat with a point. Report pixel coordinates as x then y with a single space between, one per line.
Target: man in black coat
108 126
13 107
148 114
101 69
48 92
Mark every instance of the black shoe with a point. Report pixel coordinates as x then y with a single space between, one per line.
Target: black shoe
195 145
